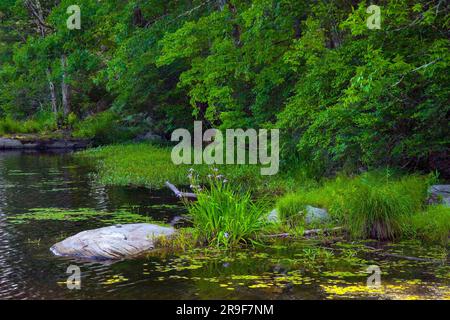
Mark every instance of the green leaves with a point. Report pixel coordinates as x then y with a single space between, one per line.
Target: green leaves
225 217
343 94
368 102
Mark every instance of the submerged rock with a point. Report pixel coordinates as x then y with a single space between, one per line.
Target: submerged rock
314 214
439 193
112 243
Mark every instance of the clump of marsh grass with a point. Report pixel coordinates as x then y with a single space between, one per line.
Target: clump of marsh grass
185 239
223 215
374 206
432 224
371 205
292 207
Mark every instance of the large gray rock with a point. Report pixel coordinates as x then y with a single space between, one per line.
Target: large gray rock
315 215
112 243
6 143
37 143
439 193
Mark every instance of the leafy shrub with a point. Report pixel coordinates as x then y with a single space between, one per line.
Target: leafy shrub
72 120
103 128
9 125
41 122
47 120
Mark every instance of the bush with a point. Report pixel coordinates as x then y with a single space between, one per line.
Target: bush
41 122
432 225
104 128
9 126
72 120
226 217
47 120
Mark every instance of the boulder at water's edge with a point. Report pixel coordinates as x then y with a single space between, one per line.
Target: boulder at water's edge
439 193
112 243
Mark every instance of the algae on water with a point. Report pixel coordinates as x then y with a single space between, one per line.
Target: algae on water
81 214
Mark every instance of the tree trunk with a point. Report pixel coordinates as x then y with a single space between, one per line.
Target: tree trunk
297 28
138 18
236 27
222 4
65 87
51 86
35 10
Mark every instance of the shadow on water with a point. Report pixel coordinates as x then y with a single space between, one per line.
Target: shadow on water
31 181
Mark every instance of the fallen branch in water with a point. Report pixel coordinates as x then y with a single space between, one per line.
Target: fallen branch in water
385 254
179 193
306 233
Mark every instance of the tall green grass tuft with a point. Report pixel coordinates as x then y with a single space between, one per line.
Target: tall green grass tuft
431 225
292 207
41 122
371 205
329 195
226 217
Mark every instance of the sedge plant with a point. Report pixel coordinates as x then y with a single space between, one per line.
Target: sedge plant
223 215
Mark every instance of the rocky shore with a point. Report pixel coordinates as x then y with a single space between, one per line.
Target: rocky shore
33 142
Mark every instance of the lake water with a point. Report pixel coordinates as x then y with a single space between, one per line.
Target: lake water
47 197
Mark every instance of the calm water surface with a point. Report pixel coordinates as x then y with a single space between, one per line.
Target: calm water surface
292 270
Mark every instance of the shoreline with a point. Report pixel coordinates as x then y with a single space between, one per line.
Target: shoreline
35 142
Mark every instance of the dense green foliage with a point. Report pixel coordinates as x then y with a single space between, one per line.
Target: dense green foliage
40 122
344 96
104 128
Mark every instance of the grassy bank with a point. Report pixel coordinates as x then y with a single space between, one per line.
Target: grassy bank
102 128
148 165
378 204
432 224
373 205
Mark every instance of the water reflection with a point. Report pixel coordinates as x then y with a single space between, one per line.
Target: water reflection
30 180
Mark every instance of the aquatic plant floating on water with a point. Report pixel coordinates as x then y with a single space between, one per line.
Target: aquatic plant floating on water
80 214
